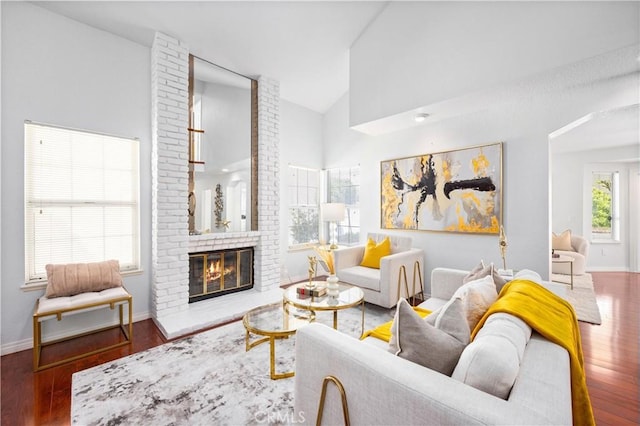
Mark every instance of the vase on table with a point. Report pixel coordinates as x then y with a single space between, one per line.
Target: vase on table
332 285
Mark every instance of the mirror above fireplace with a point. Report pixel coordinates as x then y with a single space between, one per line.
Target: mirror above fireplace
222 149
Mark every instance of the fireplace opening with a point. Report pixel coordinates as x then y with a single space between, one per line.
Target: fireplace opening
215 273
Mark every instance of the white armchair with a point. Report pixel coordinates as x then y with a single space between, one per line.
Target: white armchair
580 252
380 286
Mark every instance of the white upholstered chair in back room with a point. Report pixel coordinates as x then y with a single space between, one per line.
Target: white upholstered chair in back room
579 252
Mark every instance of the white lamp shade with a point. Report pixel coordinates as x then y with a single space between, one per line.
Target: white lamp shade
332 212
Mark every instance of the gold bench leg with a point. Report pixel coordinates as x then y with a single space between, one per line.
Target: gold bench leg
38 344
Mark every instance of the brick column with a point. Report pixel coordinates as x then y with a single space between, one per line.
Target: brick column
267 253
169 156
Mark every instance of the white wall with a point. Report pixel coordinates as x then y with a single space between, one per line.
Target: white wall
300 145
569 200
464 47
523 126
58 71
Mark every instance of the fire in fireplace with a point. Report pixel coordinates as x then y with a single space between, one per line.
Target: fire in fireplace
220 272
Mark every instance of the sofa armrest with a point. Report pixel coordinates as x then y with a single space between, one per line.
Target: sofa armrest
445 282
347 257
382 389
390 270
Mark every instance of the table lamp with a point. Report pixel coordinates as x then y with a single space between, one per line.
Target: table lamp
332 213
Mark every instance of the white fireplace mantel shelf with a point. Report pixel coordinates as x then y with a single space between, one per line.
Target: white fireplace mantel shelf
223 240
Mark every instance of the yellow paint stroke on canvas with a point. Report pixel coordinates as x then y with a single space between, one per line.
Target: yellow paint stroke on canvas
480 164
446 171
390 201
472 226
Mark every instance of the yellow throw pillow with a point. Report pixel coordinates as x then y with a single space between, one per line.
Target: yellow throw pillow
562 241
374 252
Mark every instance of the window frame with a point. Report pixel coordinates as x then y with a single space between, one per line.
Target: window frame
34 276
616 214
310 207
352 208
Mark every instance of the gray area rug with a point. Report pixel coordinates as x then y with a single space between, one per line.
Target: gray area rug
582 297
204 379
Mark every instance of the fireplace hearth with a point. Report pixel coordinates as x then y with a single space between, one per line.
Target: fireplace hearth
220 272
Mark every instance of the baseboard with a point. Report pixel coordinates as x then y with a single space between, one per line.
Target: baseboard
22 345
607 269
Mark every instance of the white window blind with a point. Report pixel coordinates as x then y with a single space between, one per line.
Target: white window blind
81 199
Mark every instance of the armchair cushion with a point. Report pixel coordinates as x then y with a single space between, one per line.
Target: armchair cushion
364 277
374 252
562 241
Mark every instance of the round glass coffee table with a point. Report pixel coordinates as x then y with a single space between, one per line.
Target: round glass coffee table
272 322
348 297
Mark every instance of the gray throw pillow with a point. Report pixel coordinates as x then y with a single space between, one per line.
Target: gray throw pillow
436 346
482 271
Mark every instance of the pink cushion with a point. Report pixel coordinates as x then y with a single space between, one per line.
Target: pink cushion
75 278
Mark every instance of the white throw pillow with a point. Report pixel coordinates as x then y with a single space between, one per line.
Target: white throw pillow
491 362
476 298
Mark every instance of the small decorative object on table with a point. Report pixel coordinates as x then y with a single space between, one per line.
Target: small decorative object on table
312 271
311 292
326 258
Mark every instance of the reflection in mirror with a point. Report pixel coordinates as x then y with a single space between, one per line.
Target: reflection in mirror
222 156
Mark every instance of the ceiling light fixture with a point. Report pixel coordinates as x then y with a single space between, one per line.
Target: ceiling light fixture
420 117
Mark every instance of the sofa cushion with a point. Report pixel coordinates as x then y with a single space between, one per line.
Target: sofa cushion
491 362
482 271
562 241
438 346
528 274
75 278
373 252
476 297
365 277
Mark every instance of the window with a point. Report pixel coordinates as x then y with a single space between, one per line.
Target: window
605 216
343 186
81 199
303 206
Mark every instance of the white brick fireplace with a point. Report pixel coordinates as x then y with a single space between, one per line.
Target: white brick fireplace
171 242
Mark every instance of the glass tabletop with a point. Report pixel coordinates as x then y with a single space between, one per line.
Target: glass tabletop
271 320
348 296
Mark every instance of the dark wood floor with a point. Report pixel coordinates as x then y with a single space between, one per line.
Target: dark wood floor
610 350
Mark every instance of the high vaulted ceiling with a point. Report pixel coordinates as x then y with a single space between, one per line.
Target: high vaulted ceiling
304 45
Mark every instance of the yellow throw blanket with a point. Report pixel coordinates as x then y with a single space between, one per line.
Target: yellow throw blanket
383 331
555 319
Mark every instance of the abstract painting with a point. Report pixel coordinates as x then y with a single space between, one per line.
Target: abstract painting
453 191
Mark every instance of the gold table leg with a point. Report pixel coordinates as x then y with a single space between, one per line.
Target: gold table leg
571 264
272 354
272 362
362 322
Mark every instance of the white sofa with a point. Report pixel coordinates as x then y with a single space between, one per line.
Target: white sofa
380 286
383 389
579 254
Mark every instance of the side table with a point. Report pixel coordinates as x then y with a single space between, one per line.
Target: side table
272 322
